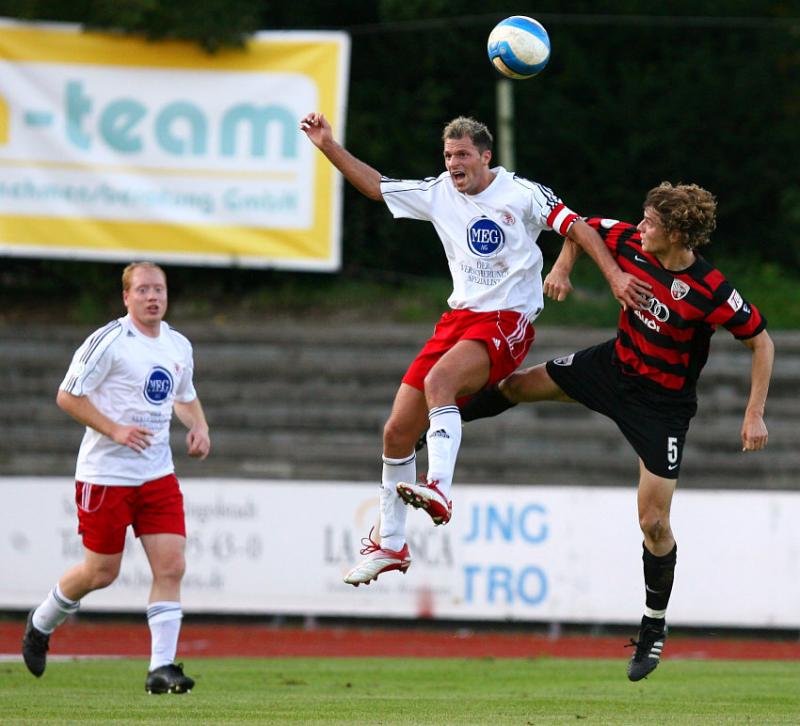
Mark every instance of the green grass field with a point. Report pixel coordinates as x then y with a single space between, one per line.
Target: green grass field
408 691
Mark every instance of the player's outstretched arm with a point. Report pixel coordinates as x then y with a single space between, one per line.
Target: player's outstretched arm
629 290
362 176
754 430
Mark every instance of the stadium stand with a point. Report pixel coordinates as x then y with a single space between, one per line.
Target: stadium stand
306 400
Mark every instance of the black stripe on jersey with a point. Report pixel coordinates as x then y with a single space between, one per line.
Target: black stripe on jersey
673 369
113 327
551 198
432 179
98 338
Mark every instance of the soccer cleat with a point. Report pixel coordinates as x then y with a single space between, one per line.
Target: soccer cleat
168 679
35 645
377 561
427 496
652 635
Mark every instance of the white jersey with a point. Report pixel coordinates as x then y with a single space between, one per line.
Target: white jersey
489 238
134 380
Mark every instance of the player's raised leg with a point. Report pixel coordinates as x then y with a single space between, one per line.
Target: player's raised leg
390 551
463 370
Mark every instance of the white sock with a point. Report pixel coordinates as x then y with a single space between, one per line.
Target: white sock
393 509
54 611
443 438
164 619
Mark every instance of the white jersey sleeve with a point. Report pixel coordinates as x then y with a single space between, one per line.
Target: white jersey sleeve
413 198
90 364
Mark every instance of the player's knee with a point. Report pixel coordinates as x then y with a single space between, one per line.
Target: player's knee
171 568
512 386
654 526
438 385
396 437
102 576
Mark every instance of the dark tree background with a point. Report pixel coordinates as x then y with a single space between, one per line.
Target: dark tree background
706 91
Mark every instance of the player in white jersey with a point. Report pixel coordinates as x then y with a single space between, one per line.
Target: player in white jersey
488 221
123 384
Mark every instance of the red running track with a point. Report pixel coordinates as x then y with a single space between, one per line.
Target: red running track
81 637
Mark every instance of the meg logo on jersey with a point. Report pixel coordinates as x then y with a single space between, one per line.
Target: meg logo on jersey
158 385
484 237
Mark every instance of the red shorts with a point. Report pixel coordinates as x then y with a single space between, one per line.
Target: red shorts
507 335
104 512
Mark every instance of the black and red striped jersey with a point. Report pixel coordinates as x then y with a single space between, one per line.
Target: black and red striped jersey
667 343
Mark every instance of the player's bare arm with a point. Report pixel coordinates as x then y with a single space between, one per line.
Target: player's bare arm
198 441
85 412
754 430
362 176
557 285
626 288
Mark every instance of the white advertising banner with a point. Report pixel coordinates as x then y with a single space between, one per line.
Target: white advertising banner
561 554
113 147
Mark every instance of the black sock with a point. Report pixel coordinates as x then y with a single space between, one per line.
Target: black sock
658 575
485 403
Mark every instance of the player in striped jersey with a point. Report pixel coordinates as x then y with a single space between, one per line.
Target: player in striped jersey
488 220
123 384
645 379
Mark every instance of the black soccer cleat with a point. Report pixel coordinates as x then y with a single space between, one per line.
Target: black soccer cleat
652 635
35 645
168 679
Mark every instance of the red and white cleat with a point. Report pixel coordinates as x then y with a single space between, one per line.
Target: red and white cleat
377 561
428 497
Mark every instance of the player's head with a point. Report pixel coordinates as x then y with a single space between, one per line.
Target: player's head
466 127
687 209
467 153
144 292
127 273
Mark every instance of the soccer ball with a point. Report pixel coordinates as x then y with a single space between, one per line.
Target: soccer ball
519 47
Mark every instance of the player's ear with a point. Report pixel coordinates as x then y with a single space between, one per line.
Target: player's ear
487 156
677 237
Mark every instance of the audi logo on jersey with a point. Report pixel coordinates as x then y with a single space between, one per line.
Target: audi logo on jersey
658 310
485 237
157 385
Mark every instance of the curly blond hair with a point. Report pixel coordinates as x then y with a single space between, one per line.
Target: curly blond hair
686 208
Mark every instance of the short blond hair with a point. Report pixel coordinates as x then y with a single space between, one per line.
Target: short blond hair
127 273
465 126
687 208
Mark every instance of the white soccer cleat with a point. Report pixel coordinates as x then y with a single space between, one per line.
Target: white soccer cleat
428 497
377 561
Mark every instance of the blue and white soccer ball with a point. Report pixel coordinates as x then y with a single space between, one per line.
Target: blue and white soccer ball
519 47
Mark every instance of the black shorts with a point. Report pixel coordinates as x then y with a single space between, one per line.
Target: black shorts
654 423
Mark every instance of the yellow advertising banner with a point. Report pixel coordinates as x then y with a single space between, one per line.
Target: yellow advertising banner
116 148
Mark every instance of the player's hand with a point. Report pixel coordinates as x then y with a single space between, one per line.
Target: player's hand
630 291
316 127
754 432
198 443
557 285
134 437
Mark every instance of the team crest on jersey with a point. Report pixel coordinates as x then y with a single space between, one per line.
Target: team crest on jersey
158 385
679 289
508 218
735 301
564 360
484 237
